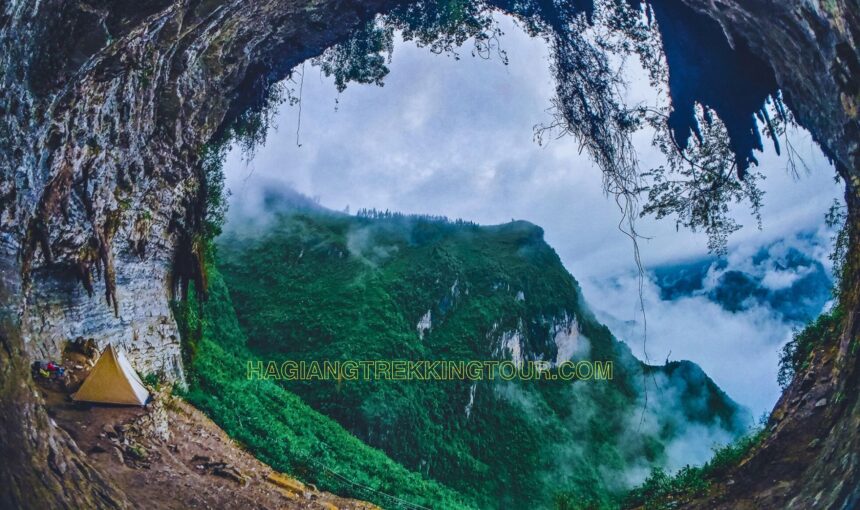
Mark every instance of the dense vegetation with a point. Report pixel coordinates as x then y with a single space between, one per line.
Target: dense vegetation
315 285
277 426
795 355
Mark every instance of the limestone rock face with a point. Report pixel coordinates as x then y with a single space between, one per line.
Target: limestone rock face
104 109
142 326
104 118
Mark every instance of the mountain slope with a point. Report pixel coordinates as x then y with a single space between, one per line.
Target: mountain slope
275 425
314 285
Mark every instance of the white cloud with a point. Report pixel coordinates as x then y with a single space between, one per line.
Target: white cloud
455 138
739 351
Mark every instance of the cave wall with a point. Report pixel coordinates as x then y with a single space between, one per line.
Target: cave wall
812 46
60 309
108 107
104 108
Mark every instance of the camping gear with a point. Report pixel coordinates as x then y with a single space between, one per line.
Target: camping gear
113 381
47 370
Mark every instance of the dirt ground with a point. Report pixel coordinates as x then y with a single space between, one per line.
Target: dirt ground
168 455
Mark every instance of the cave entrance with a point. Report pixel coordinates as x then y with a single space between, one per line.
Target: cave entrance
473 124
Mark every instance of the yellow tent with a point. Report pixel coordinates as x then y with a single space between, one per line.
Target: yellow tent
113 381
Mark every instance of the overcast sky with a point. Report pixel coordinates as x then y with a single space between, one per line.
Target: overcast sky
456 138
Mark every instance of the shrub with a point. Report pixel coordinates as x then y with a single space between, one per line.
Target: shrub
663 491
796 353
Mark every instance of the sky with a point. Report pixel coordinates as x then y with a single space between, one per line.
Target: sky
455 138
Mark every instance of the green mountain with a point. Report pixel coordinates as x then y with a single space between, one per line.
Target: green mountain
313 285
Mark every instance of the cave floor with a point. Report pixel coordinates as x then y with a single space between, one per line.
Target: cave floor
168 455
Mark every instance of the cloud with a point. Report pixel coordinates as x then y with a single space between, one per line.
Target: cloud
737 347
454 138
693 442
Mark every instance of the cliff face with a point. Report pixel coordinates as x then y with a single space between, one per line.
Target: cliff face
100 190
104 107
397 287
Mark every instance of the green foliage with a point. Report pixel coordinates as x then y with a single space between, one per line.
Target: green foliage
215 194
249 129
576 500
796 353
152 380
442 26
663 491
281 430
837 219
188 313
698 184
361 59
731 455
325 286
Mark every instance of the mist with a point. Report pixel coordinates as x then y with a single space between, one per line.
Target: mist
455 138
